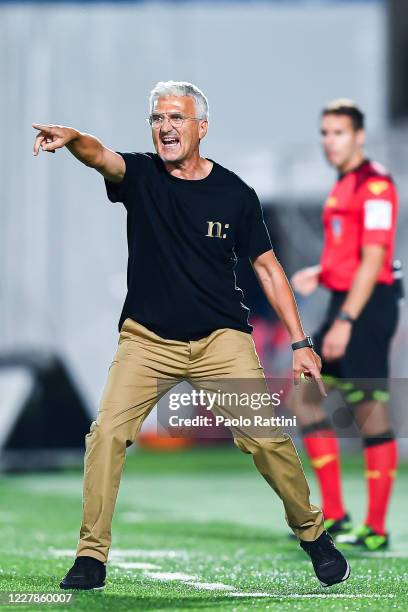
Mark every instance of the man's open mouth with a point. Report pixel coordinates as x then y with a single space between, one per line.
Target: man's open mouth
170 142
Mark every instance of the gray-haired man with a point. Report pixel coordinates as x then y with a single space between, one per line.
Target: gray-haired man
189 219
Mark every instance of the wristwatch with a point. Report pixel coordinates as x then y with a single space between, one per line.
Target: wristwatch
344 316
306 343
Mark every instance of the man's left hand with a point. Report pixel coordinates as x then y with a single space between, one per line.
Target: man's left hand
336 340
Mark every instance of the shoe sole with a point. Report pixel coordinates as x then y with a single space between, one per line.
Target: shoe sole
346 575
73 588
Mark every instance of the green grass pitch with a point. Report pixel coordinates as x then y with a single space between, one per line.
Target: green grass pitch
198 530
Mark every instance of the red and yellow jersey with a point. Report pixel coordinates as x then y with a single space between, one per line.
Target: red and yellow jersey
361 209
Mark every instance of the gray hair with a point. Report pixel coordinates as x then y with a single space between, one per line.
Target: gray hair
180 88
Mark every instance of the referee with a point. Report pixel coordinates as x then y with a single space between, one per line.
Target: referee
188 220
359 219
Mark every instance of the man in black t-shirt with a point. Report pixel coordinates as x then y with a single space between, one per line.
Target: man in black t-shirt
188 220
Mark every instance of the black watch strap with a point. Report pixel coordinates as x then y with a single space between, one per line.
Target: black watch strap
344 316
306 343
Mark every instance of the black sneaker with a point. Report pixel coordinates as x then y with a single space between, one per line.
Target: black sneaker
329 564
86 573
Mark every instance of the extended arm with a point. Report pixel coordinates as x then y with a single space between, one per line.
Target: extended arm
86 148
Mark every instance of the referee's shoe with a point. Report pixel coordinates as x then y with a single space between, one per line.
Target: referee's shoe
329 564
87 573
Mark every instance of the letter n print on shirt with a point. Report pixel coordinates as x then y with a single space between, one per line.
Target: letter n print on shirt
214 229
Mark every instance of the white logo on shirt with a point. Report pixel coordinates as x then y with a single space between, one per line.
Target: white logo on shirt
377 214
218 229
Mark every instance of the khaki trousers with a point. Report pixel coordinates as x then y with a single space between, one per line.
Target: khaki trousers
132 390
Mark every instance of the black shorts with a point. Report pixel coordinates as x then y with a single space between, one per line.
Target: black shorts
367 354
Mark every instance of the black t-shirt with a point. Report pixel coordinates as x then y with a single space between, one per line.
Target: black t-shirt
184 238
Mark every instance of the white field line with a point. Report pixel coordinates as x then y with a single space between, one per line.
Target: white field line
212 586
126 553
170 576
232 591
243 594
136 565
148 554
173 554
62 552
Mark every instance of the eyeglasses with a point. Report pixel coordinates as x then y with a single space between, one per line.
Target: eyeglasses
156 120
